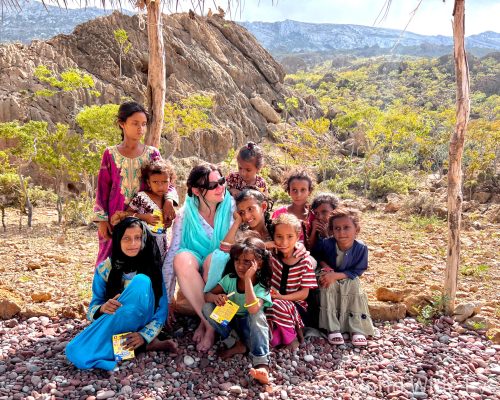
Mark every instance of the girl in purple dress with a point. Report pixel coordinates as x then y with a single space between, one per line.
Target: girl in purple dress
119 178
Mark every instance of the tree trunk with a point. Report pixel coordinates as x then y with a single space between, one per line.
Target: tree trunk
27 203
455 156
59 208
156 73
3 220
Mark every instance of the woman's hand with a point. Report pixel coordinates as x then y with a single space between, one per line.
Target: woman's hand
134 340
220 299
275 294
105 230
300 251
111 305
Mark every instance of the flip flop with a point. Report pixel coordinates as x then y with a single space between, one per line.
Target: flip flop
359 340
336 338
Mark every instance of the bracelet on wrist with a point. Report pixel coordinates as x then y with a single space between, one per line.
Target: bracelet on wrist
251 304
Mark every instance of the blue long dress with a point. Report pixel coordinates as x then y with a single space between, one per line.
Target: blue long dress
93 347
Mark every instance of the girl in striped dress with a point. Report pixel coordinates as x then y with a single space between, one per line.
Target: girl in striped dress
292 278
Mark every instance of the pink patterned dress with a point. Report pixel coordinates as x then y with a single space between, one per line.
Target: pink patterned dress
118 182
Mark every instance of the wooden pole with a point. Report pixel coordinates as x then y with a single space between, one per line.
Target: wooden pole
455 156
156 73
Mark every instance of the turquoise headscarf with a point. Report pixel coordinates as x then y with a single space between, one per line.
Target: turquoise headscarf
193 238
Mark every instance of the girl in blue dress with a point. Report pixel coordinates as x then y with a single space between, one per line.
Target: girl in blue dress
128 295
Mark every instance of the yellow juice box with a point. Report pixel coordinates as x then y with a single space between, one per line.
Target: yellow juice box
223 315
158 228
121 353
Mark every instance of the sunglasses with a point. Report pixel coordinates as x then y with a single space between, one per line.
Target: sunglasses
213 185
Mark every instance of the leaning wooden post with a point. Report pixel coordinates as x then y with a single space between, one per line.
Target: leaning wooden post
455 156
157 85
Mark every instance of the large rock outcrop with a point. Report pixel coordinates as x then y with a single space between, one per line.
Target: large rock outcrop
205 54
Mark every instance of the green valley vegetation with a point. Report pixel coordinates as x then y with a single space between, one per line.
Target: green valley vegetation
389 123
65 156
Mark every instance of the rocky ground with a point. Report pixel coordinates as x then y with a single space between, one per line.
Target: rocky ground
46 273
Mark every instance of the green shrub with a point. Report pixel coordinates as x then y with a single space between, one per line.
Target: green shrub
278 195
391 182
78 211
41 197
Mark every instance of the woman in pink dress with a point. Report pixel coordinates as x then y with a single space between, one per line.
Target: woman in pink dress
119 178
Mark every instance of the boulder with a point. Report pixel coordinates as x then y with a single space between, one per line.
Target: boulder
40 297
466 310
265 109
478 322
10 303
387 311
386 294
394 203
209 55
414 303
494 335
481 197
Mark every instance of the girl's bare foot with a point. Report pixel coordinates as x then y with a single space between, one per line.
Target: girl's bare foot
207 341
199 333
293 345
300 334
162 345
260 374
238 348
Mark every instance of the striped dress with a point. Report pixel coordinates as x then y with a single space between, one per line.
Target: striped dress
295 277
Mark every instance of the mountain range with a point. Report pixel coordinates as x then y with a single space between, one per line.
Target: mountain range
281 39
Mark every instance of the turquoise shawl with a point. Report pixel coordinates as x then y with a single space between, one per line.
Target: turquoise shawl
193 237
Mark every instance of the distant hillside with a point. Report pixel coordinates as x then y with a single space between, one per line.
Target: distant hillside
281 39
296 37
288 38
34 21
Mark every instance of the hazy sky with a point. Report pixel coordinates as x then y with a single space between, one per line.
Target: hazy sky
433 17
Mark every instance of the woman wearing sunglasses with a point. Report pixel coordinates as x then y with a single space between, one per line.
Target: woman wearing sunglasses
201 224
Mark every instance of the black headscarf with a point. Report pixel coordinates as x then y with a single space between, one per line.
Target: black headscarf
147 262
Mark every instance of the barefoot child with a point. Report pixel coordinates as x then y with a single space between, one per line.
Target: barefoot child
247 280
321 208
291 281
299 185
343 259
250 161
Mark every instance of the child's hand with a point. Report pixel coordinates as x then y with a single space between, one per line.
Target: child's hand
168 210
104 229
271 245
220 299
133 341
326 279
300 251
111 305
151 219
320 226
252 270
275 294
237 218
